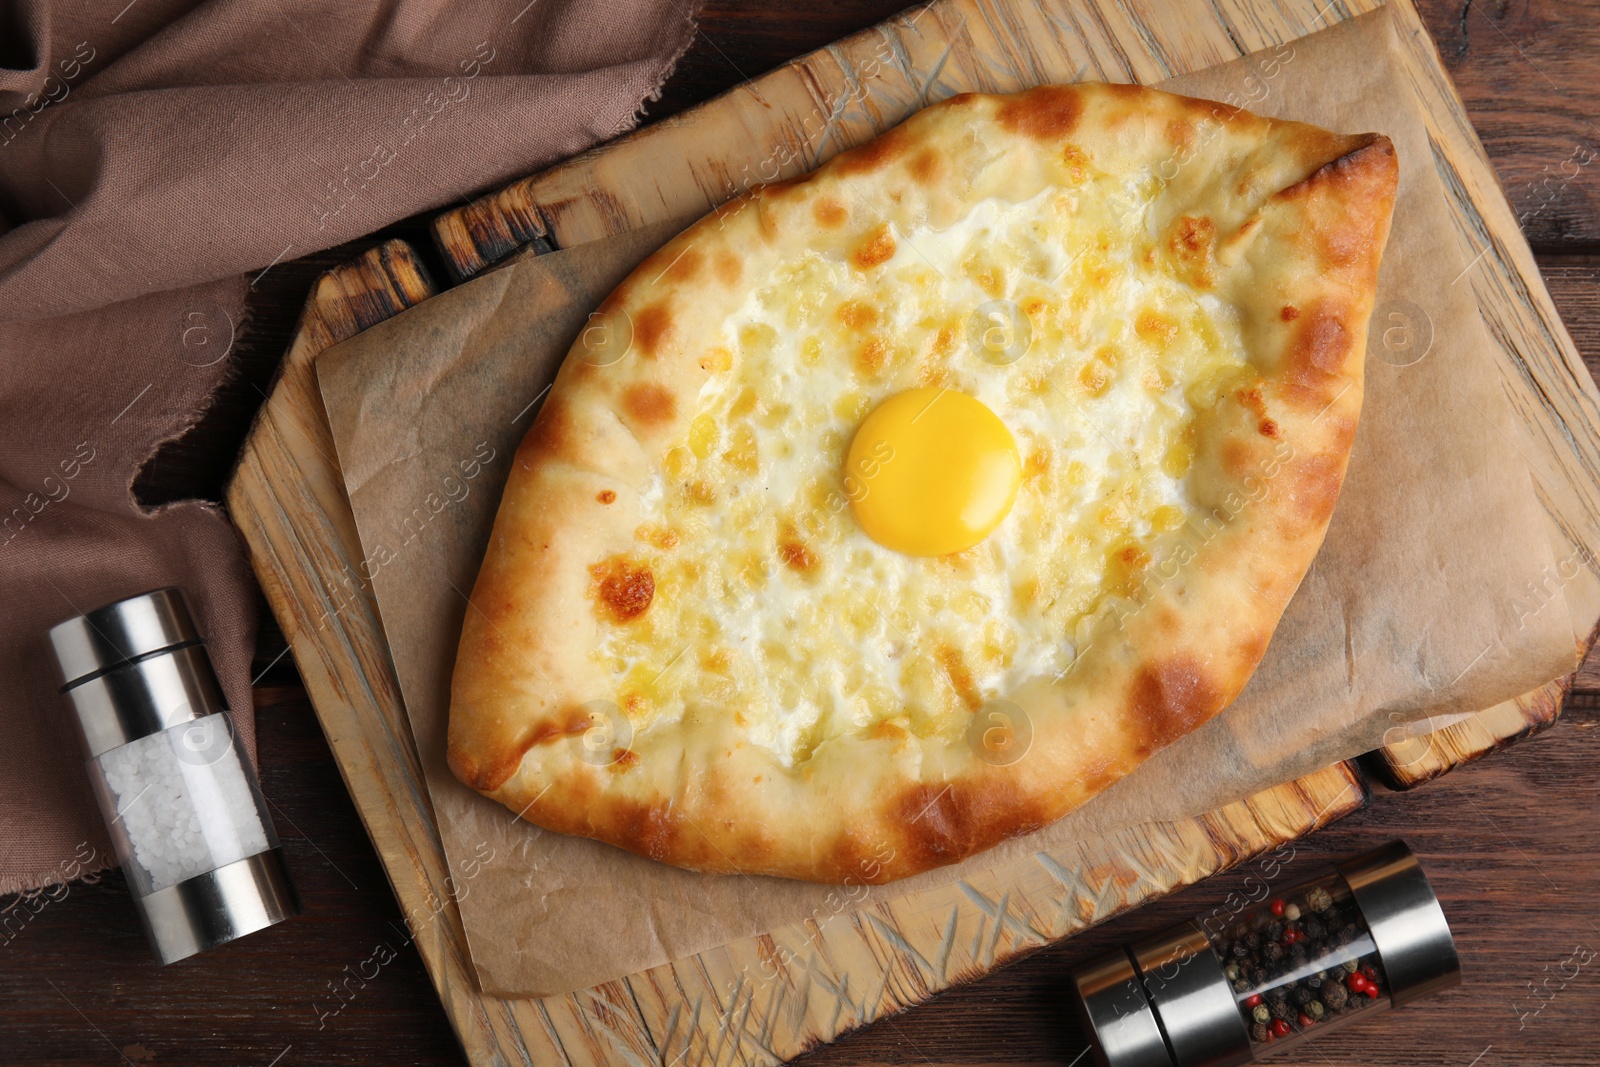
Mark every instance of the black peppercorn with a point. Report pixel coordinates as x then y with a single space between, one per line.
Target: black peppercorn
1290 957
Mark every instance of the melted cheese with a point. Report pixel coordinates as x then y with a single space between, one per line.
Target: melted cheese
772 604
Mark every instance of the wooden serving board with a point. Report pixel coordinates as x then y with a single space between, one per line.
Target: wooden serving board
1410 762
762 999
772 997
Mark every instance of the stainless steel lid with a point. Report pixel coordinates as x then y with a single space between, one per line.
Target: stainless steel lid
1115 1013
218 906
105 638
1193 1001
1408 926
135 668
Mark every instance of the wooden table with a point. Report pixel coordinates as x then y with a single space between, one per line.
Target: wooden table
1512 843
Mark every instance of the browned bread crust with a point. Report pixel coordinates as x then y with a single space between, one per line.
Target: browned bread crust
1283 222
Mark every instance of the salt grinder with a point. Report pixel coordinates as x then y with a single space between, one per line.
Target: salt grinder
180 799
1225 989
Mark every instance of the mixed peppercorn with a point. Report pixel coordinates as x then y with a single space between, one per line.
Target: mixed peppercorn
1297 963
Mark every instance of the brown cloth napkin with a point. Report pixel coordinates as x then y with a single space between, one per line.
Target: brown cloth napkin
155 156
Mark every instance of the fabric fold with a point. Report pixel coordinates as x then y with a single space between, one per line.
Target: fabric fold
155 155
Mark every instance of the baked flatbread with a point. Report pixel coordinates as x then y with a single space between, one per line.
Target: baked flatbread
898 509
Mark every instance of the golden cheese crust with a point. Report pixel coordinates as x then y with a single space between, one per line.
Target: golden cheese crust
1193 268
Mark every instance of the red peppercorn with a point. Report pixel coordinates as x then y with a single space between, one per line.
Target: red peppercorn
1370 972
1370 990
1291 935
1357 982
1253 1000
1305 1020
1280 1028
1277 907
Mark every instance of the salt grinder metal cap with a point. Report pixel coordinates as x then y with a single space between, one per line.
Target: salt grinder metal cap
185 812
1228 989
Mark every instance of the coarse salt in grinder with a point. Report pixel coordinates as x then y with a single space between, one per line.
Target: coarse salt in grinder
180 799
1229 988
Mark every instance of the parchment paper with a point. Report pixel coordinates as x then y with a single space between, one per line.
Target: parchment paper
1414 608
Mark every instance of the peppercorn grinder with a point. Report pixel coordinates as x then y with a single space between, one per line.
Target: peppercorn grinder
182 804
1227 989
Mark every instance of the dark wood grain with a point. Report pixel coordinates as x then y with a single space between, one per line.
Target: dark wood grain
1526 70
1512 842
739 40
1574 284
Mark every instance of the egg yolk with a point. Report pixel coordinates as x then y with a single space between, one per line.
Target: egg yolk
931 471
